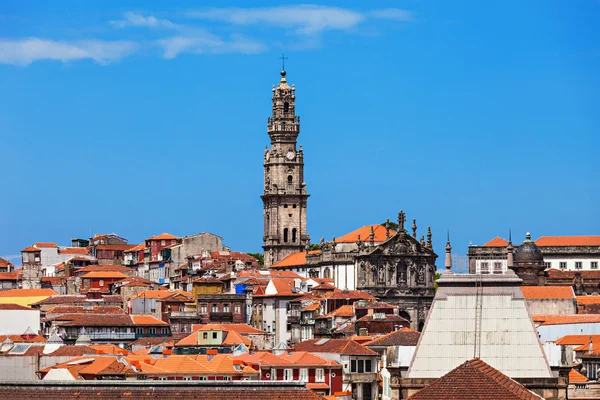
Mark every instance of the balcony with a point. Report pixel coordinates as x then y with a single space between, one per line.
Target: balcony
104 336
293 319
360 377
184 314
221 316
307 321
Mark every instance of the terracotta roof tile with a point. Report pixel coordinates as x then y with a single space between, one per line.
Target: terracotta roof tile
27 293
588 299
105 275
91 320
233 339
475 380
402 337
566 319
576 377
163 236
30 249
147 320
104 267
293 260
364 232
548 292
5 263
92 309
9 276
239 328
139 247
346 311
336 346
160 294
14 307
349 295
115 247
496 242
570 274
578 340
74 250
40 245
568 241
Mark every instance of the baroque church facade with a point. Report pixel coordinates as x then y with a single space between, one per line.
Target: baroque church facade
395 267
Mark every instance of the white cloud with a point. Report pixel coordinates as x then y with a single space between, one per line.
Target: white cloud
138 20
26 51
208 43
305 19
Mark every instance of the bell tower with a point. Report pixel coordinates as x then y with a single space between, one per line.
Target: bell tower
285 197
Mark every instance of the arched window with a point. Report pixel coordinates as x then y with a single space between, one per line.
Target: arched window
290 179
286 107
285 235
294 235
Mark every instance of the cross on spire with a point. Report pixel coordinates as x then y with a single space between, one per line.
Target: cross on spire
283 58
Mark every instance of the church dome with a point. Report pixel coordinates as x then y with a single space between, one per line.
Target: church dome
528 251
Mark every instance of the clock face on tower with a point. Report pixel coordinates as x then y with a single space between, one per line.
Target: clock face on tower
290 155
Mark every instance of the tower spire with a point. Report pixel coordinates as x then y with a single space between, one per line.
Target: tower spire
448 263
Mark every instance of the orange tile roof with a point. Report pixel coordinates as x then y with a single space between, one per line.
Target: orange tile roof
30 249
9 276
579 340
147 320
40 245
566 319
109 349
27 293
588 299
346 311
364 232
303 358
576 377
234 339
336 346
103 267
312 307
402 337
284 287
23 338
293 260
105 275
139 247
74 250
163 236
496 242
239 328
474 379
548 292
568 241
4 263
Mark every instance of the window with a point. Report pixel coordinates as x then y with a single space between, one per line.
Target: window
562 264
187 378
327 273
215 308
227 378
214 335
164 331
273 374
303 375
368 367
162 242
361 366
237 309
353 366
153 331
594 265
173 241
286 107
203 378
319 375
285 206
294 206
485 267
548 265
294 235
203 308
578 264
287 374
101 282
226 307
285 234
205 335
139 331
290 180
497 267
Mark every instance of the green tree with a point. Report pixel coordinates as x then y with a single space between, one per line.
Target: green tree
393 226
437 276
260 257
314 246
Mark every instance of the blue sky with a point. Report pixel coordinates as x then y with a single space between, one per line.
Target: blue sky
149 117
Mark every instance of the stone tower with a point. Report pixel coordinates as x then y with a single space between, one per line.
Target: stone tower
32 268
285 196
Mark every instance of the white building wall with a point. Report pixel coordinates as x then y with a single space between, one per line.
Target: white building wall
16 322
551 333
587 263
